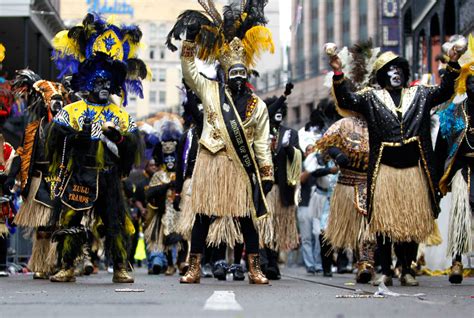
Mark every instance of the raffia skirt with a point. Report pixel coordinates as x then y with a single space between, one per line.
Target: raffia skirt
32 213
283 234
159 226
43 255
345 223
187 217
460 218
401 205
220 187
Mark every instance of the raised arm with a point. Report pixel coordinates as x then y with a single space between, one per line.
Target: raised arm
191 75
346 99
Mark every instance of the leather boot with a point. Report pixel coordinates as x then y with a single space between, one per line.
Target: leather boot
193 275
170 271
183 268
65 275
255 273
408 280
456 273
121 275
365 272
40 275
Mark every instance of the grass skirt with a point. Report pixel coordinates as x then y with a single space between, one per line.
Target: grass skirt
186 219
220 187
344 224
32 213
401 205
43 256
459 233
279 230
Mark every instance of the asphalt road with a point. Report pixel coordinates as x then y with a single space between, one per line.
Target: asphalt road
296 295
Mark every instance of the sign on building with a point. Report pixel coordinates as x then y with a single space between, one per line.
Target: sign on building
390 25
110 7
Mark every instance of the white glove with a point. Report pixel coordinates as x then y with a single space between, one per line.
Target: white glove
285 141
311 163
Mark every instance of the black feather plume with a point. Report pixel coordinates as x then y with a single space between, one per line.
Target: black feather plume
188 17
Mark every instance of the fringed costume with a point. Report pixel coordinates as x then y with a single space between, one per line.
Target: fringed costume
234 160
402 193
32 166
455 126
162 218
94 143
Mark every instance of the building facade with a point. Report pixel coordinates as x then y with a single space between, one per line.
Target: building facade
426 25
315 23
26 30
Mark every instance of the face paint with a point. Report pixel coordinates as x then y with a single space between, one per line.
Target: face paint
170 162
237 78
101 89
56 104
168 146
278 117
395 75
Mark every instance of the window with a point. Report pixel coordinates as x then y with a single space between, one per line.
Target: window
162 75
154 73
152 97
162 53
152 52
162 97
297 113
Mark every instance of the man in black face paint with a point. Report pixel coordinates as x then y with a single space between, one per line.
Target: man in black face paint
93 144
31 164
459 167
403 197
233 170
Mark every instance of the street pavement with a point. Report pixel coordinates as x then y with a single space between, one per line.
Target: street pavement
297 294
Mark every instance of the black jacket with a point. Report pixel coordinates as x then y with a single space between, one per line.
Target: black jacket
397 139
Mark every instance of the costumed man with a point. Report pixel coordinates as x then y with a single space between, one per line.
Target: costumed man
233 170
90 144
456 122
162 218
346 141
94 142
32 166
287 160
402 194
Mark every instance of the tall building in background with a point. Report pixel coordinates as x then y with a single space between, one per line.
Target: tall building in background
315 23
426 25
156 18
26 30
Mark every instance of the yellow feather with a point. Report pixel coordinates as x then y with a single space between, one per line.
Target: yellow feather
65 46
256 41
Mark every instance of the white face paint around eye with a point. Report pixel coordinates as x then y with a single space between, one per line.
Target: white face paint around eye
237 72
394 74
278 117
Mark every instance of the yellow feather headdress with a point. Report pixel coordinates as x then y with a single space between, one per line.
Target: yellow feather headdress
239 36
2 52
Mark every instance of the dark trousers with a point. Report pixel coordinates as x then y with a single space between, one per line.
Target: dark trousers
405 252
3 253
201 229
326 254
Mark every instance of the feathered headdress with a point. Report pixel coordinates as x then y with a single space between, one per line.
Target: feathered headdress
239 36
74 46
48 91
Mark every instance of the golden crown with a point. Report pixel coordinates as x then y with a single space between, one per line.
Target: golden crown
232 54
